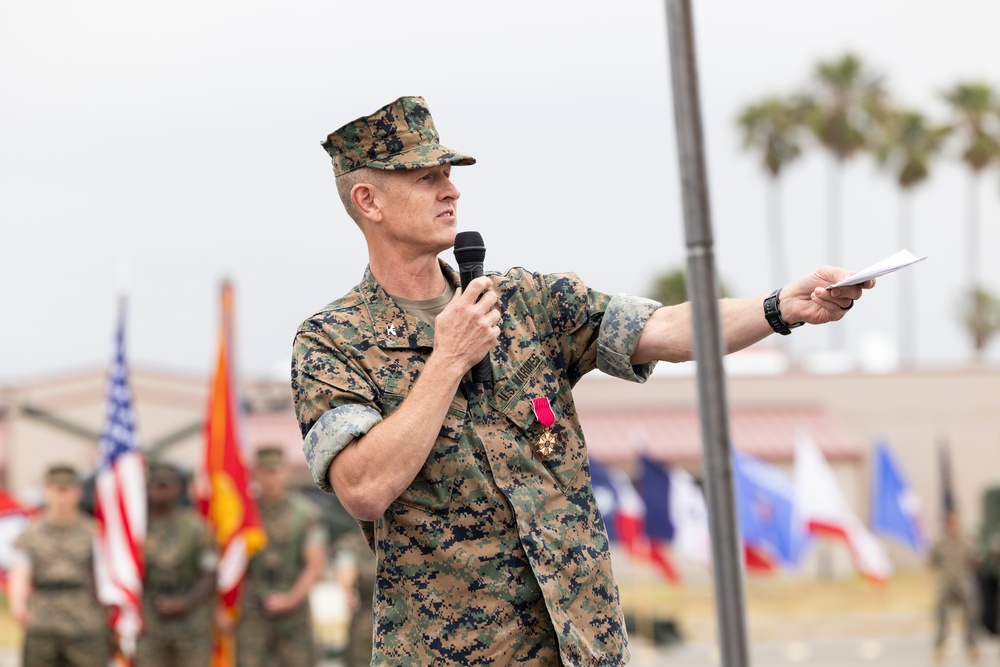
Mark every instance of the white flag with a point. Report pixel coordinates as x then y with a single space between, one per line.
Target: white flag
820 508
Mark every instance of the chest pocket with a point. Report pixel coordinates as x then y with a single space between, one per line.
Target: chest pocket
535 378
434 485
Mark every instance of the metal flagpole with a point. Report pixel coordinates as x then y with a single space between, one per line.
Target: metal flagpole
703 293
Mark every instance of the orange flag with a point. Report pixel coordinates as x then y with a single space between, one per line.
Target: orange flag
225 499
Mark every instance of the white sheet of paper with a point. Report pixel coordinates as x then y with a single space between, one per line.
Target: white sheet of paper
887 265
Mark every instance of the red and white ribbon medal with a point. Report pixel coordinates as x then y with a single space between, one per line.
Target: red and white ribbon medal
545 416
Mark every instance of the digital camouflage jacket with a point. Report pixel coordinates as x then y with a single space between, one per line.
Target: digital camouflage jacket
495 554
64 598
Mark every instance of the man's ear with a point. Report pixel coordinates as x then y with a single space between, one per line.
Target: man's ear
363 196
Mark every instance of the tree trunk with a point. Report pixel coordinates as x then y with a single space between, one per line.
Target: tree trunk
907 303
972 231
833 235
776 234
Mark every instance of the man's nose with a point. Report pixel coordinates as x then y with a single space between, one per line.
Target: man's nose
450 191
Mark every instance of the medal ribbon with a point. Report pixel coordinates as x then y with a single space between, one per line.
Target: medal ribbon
543 411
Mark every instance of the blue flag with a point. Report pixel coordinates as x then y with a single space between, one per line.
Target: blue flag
764 507
654 487
676 512
606 496
895 508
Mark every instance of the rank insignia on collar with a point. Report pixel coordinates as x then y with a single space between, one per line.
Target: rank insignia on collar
543 413
390 330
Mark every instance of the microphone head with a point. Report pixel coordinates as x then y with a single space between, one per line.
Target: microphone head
469 248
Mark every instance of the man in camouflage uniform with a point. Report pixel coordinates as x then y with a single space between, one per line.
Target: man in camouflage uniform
275 626
476 497
179 582
51 588
954 558
991 568
355 568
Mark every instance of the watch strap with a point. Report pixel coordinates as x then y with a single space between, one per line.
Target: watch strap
773 315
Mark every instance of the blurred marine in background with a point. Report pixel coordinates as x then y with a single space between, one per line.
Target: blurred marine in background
355 568
179 583
51 590
275 625
955 558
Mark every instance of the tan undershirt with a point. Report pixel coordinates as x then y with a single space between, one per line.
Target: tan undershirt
426 310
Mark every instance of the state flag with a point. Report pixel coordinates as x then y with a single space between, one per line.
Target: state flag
764 506
895 507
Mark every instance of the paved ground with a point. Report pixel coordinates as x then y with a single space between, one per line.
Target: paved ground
847 652
844 652
885 652
834 624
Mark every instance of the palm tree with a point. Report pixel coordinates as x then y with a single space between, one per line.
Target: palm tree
846 105
670 288
974 106
906 145
843 111
774 127
980 313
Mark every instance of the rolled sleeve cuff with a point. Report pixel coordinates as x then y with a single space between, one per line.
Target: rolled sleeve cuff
332 432
621 327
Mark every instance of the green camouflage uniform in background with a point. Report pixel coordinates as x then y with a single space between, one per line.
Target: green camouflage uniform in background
65 616
955 559
287 640
352 547
495 553
179 550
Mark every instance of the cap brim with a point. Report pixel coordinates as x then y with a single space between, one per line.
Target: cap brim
423 156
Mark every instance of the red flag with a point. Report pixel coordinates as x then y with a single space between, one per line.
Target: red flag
226 501
13 520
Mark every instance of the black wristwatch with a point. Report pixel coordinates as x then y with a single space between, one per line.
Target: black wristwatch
773 315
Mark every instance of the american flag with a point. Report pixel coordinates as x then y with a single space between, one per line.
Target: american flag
120 506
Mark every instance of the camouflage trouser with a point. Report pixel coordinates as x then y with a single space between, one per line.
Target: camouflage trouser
966 602
173 642
43 649
284 641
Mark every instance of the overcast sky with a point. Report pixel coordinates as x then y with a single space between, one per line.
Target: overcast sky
162 146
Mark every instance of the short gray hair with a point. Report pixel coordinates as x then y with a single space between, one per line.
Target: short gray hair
346 183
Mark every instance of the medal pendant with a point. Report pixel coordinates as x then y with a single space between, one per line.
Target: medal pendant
546 443
543 413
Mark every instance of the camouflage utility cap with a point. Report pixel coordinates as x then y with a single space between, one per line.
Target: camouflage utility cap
62 474
400 135
269 458
161 472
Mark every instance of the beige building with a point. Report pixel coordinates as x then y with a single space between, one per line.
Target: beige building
61 418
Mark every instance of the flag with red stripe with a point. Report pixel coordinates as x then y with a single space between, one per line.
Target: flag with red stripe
120 505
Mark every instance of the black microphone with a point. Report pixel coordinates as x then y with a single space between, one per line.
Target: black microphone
470 253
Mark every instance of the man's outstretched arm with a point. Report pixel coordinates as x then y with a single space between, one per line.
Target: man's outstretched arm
669 332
